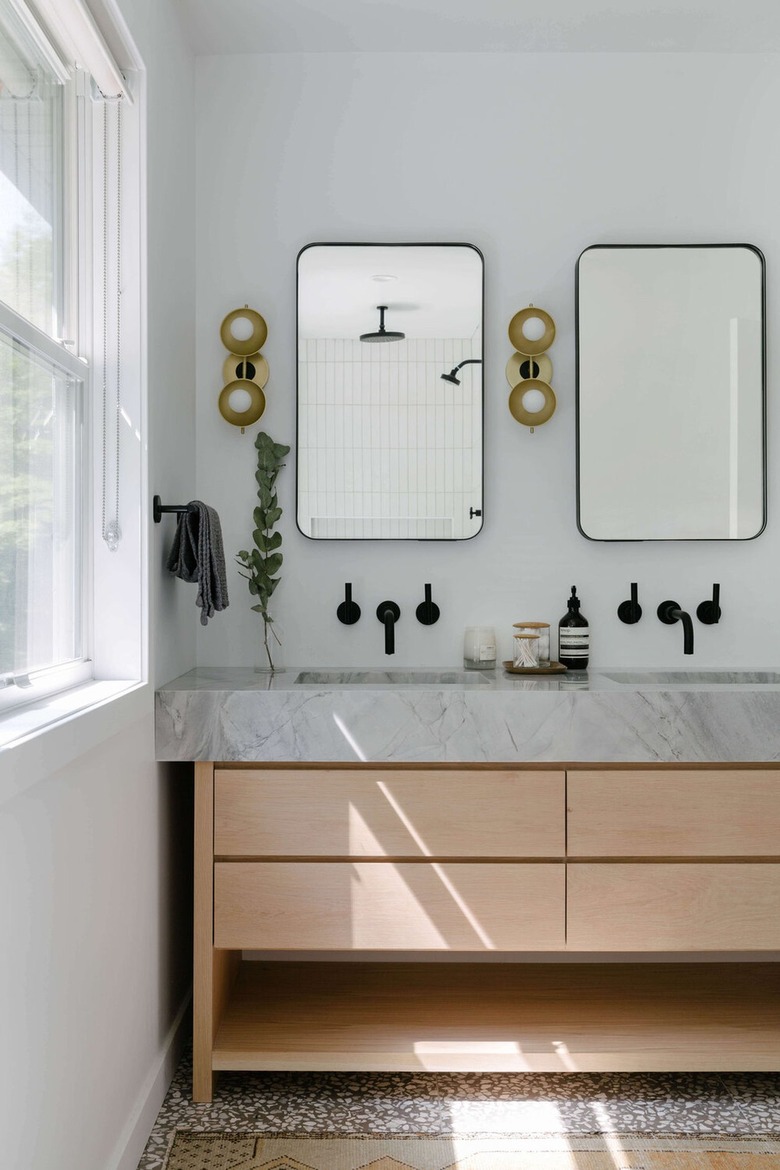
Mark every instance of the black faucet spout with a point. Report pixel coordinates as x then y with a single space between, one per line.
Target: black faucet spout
388 613
669 612
687 625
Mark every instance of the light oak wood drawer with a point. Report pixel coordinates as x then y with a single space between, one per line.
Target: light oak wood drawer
388 813
674 813
389 906
671 907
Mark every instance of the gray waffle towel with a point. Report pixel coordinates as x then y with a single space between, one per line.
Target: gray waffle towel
197 555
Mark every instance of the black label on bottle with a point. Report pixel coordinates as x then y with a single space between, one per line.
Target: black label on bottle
574 642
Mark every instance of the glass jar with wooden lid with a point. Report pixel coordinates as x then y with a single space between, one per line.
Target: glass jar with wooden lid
542 631
525 652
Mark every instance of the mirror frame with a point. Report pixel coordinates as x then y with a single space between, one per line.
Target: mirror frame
764 454
385 244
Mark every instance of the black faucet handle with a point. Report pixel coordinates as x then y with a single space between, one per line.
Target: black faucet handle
630 611
349 611
428 612
709 611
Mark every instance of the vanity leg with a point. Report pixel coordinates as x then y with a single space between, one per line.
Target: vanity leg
213 971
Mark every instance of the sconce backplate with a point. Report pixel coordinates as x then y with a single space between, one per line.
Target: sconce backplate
521 366
253 368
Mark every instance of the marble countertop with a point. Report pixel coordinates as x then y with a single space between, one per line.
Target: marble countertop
407 716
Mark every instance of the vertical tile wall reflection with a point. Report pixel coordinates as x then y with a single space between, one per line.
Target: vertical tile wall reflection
386 448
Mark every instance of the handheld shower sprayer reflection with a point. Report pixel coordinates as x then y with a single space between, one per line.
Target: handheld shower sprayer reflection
452 376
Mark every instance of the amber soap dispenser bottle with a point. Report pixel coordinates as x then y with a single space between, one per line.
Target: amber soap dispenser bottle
573 636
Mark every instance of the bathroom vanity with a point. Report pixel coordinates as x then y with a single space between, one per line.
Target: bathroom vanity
442 872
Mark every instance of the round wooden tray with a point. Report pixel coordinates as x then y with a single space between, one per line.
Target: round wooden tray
553 668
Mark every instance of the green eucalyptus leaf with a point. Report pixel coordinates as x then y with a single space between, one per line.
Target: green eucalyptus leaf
265 560
265 460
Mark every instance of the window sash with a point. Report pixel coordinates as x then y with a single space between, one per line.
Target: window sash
44 579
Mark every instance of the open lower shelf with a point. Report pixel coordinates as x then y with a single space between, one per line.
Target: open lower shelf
461 1017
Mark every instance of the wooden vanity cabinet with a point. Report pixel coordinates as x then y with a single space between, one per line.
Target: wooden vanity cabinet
489 866
684 859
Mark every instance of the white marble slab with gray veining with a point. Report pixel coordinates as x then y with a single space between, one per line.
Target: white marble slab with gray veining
234 714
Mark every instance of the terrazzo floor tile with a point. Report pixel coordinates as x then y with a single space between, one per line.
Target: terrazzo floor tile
470 1103
758 1094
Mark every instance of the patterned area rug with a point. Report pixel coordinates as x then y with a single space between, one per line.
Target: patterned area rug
224 1151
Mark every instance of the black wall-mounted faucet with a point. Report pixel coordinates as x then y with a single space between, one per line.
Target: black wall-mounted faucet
388 613
669 612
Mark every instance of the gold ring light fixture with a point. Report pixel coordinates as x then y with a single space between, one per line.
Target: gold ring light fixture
529 370
245 370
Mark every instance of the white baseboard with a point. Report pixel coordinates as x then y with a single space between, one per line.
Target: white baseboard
140 1122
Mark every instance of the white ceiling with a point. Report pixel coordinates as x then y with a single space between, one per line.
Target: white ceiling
436 290
454 26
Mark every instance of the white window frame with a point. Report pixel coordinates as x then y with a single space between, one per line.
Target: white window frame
114 618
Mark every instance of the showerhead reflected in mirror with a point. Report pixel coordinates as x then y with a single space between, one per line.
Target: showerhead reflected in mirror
453 374
382 334
389 442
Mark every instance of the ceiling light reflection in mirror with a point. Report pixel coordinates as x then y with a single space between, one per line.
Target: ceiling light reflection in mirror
389 442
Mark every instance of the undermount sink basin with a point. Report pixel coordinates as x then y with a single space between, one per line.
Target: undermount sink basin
451 678
724 677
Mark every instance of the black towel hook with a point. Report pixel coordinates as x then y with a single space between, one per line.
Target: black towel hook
158 508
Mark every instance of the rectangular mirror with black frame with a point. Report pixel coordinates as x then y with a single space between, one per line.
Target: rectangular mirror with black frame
671 389
390 412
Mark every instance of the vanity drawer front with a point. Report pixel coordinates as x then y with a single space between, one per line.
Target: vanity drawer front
673 907
382 906
389 813
674 813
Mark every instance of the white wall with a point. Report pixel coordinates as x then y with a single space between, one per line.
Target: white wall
95 857
531 158
94 966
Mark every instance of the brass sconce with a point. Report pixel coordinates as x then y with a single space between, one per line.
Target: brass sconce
245 371
529 370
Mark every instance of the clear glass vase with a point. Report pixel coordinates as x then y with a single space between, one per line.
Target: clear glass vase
270 654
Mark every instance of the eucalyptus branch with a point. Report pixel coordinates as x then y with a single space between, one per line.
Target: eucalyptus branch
265 560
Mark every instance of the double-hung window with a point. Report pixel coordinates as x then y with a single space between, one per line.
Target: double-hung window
67 438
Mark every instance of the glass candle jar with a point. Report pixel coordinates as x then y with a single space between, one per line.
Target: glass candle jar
526 651
542 630
479 648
